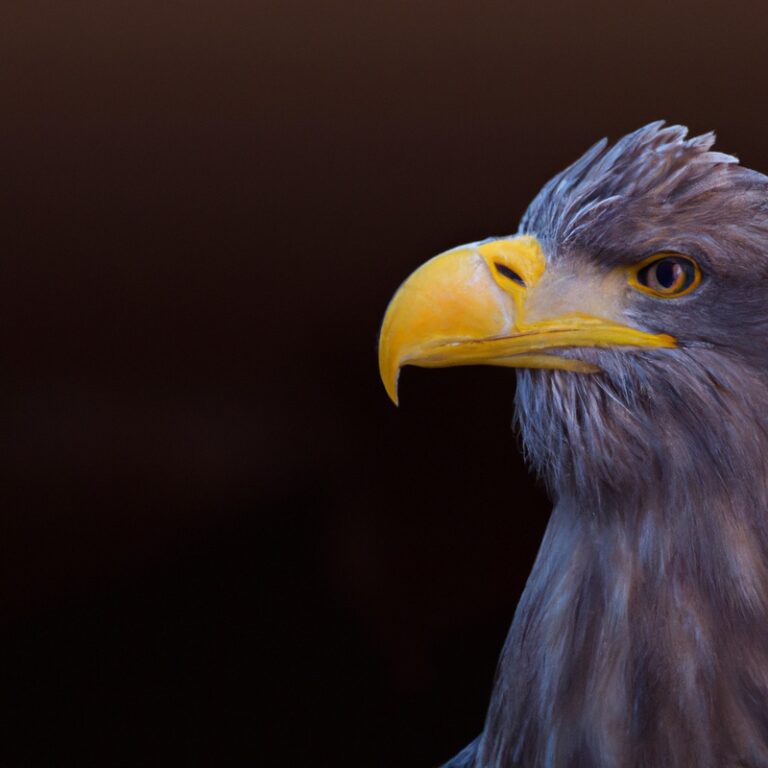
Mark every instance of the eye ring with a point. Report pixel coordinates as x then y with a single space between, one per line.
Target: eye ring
665 275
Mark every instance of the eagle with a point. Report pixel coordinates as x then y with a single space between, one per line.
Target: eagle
633 302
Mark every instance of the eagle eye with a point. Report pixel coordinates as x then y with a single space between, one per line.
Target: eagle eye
666 275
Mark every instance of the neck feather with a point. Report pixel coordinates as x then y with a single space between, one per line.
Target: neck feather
641 639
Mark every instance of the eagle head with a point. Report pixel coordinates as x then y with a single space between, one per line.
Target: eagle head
631 300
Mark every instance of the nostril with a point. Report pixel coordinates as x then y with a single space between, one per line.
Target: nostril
509 273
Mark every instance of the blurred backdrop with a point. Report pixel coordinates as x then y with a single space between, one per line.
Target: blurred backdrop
220 544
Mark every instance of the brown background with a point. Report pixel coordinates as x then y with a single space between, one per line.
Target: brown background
219 543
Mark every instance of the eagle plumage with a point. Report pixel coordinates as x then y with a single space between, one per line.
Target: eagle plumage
641 639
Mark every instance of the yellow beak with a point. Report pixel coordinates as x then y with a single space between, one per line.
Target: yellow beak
487 304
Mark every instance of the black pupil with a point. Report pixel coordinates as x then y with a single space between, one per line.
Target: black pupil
667 272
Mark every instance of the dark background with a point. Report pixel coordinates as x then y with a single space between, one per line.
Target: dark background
220 544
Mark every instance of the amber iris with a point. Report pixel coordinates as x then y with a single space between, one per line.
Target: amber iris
666 275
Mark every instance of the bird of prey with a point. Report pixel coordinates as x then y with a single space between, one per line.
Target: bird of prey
633 300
